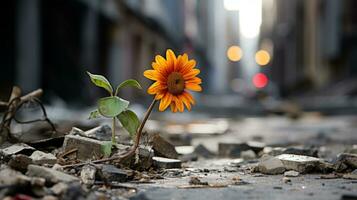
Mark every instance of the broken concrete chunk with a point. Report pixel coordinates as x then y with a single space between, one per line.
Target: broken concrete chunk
166 163
302 164
270 165
20 162
348 159
51 175
40 157
184 150
11 177
87 148
248 155
313 152
88 174
352 175
103 133
162 147
111 173
291 173
16 149
231 150
59 188
256 146
202 151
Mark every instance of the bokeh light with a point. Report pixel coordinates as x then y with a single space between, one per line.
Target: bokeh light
262 57
260 80
234 53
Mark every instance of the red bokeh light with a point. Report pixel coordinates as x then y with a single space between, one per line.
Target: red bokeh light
260 80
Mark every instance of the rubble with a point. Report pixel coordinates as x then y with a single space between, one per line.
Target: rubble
88 174
166 163
11 177
59 188
102 133
270 165
348 159
39 158
51 175
352 175
87 148
110 173
17 149
312 152
231 150
20 162
291 173
302 164
248 155
201 151
162 147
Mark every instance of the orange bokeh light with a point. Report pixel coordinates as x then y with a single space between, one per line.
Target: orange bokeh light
234 53
262 57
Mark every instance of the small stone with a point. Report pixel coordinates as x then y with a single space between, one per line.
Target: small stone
248 155
51 175
166 163
17 149
87 148
162 147
299 163
37 181
184 150
196 181
59 188
88 174
291 173
11 177
202 151
348 159
313 152
40 158
111 173
231 150
103 133
20 162
352 175
270 165
286 180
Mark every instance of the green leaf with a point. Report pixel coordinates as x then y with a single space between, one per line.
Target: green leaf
101 81
130 122
94 114
112 106
129 82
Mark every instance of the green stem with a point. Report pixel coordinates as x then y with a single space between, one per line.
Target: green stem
113 131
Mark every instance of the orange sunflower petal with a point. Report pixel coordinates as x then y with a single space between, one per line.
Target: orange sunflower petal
192 73
195 80
156 87
159 95
173 107
171 59
189 97
186 101
165 101
189 65
193 87
154 75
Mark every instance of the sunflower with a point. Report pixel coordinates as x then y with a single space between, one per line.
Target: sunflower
173 77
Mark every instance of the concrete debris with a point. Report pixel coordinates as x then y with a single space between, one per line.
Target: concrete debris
11 177
103 133
87 148
184 150
248 155
352 175
313 152
270 165
302 164
196 181
17 149
109 173
51 175
59 188
166 163
162 147
88 174
201 151
20 162
231 150
350 160
286 180
40 158
291 173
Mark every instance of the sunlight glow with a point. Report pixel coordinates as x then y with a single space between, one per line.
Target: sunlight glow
250 17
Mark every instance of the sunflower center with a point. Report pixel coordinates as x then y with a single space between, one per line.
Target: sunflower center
175 83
